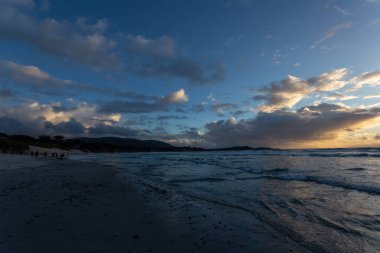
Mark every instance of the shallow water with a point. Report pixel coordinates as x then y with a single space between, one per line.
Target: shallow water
324 200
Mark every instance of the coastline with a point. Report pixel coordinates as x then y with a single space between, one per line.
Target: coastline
50 205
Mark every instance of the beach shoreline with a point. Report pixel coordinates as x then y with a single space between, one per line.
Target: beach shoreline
50 205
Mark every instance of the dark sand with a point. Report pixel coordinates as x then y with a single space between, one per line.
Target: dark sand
47 205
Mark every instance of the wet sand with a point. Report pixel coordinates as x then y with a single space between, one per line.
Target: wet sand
49 205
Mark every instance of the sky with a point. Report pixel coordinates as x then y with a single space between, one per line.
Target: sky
207 73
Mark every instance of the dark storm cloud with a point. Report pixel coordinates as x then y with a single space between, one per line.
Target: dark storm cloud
313 123
71 127
11 125
104 130
238 113
39 126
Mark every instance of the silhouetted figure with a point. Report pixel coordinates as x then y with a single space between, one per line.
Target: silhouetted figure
37 153
32 154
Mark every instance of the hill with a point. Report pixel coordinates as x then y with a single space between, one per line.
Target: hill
21 143
125 142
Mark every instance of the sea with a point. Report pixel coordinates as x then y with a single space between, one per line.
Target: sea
326 200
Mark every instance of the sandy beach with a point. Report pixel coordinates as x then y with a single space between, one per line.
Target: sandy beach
50 205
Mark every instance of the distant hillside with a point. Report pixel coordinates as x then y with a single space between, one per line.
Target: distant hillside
125 142
21 143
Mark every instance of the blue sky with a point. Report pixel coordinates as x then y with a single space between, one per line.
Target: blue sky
206 73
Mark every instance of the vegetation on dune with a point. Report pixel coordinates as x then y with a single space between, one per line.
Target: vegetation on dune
12 146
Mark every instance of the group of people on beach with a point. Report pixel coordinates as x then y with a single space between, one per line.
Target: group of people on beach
45 154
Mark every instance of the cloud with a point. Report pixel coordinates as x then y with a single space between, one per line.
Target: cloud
26 4
367 78
332 31
55 113
31 77
217 107
307 127
291 90
39 81
161 58
11 125
89 43
342 11
74 120
105 130
175 97
6 93
169 117
162 47
286 93
71 127
80 41
77 118
372 96
374 22
338 96
221 108
312 124
162 104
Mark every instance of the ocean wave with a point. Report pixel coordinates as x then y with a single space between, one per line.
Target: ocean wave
192 180
319 154
345 185
356 169
274 171
343 155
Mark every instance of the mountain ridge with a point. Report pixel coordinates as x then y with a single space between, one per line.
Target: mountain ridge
107 144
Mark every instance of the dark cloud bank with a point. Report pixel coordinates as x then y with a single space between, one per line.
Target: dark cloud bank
278 128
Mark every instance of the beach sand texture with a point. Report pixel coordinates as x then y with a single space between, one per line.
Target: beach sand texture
49 205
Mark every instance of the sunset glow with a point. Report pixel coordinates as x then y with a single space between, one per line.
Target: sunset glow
258 73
